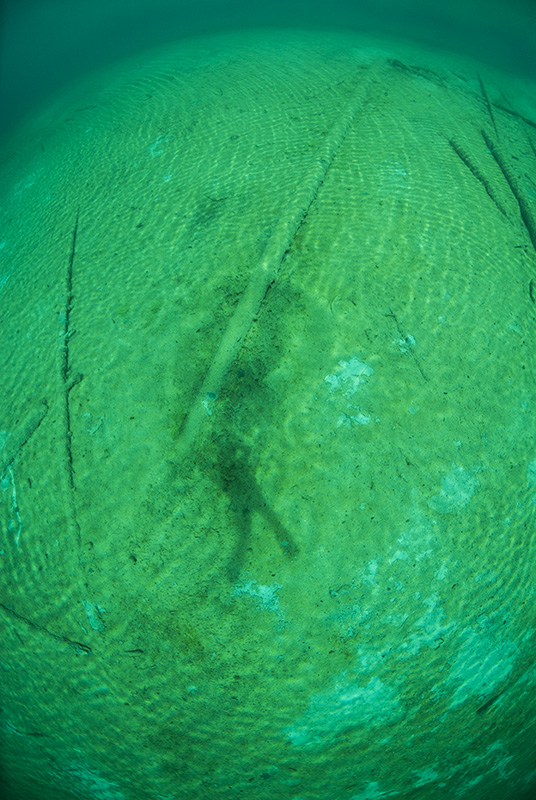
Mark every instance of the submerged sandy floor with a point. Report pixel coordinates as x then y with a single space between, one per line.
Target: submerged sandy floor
267 421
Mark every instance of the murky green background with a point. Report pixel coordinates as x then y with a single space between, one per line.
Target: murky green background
268 475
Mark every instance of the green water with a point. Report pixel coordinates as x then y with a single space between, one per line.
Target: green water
268 483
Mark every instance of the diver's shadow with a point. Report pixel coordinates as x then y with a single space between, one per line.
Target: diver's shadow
236 475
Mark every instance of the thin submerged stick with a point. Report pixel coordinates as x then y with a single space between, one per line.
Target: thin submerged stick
266 271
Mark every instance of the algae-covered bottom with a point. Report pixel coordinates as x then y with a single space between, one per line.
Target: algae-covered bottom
267 429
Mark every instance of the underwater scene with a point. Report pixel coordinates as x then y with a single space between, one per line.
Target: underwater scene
268 400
